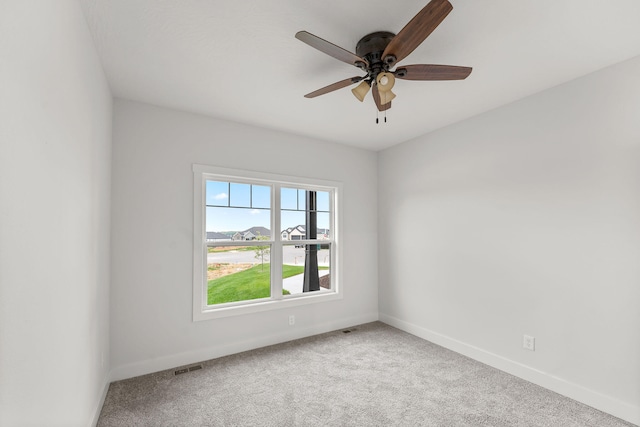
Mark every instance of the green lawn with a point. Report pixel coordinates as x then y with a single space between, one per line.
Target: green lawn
248 284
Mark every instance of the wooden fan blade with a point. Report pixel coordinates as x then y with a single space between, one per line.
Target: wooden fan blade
417 30
334 86
432 72
376 97
331 49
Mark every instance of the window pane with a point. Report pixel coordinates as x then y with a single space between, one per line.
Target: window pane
239 223
260 196
323 225
293 268
289 198
293 224
238 273
240 195
217 193
322 201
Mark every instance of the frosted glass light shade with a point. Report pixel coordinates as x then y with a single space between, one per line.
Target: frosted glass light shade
385 82
386 96
361 90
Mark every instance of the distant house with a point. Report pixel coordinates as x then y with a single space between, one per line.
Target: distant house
252 233
213 236
294 233
299 232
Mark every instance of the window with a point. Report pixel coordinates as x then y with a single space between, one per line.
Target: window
262 242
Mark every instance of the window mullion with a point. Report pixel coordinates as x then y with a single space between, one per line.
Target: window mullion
276 252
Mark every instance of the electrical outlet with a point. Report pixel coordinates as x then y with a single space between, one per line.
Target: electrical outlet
529 343
292 320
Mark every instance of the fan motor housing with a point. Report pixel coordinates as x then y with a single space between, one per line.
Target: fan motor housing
371 47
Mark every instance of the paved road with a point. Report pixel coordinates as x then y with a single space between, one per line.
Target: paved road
291 255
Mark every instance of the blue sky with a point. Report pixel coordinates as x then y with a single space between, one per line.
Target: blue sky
237 207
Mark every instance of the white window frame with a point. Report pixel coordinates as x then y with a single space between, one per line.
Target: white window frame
202 311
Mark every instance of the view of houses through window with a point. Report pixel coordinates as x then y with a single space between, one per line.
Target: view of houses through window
241 244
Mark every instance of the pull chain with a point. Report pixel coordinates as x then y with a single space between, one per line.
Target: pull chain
377 116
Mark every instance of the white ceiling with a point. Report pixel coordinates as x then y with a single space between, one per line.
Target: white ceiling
239 60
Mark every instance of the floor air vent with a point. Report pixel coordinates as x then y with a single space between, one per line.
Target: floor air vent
188 369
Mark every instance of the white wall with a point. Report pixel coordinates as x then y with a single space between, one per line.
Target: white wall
55 143
151 298
525 220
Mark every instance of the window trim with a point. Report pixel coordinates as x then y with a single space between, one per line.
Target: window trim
202 173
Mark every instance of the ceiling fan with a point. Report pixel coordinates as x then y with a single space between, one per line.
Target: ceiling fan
377 53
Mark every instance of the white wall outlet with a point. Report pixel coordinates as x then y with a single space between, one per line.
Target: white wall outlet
529 343
292 320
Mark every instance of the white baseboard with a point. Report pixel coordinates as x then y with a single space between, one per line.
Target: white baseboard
608 404
186 358
103 396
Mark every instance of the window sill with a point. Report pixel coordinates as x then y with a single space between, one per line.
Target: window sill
263 305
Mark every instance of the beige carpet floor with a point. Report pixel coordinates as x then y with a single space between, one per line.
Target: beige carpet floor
374 375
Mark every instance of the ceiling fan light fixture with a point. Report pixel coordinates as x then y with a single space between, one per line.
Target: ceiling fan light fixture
385 82
361 90
380 51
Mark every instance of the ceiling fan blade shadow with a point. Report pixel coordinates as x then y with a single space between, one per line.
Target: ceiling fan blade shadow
334 86
417 30
331 49
432 72
376 98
